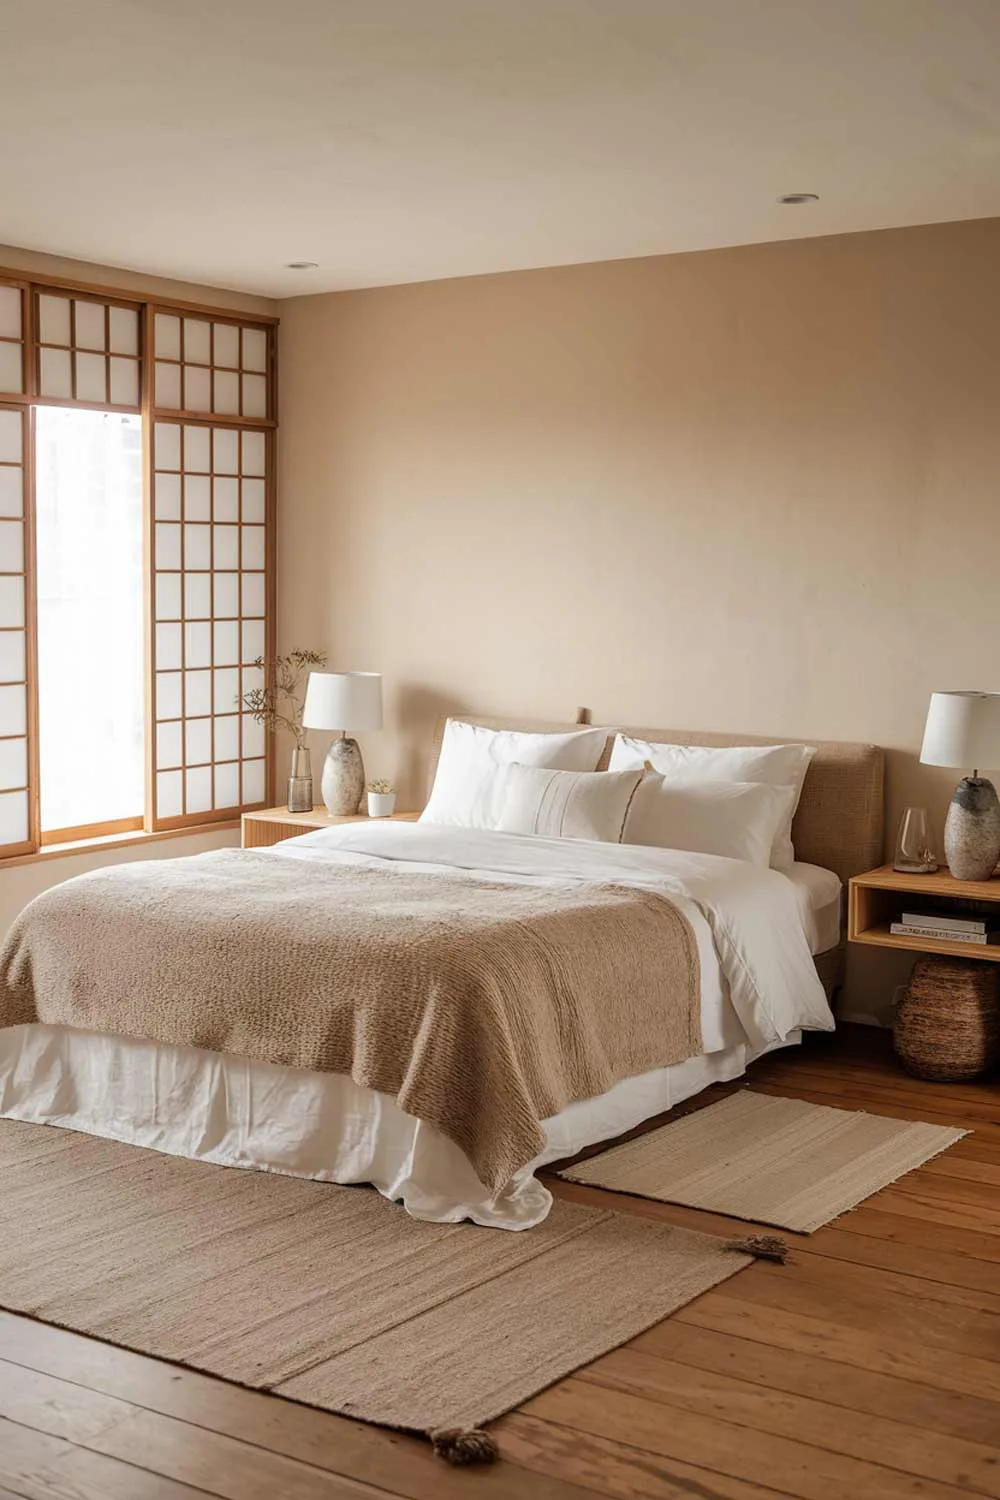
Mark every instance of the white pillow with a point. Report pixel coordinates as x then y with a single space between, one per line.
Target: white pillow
735 818
772 765
566 804
465 792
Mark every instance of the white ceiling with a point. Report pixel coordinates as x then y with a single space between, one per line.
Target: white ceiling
405 140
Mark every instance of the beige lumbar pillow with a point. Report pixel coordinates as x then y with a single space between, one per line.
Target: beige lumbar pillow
566 804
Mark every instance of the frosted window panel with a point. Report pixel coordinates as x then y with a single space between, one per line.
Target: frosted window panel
227 642
124 328
168 445
227 786
198 596
56 373
168 545
253 640
168 386
11 374
197 449
199 789
197 388
227 546
12 656
13 818
227 498
12 602
169 794
227 345
11 546
254 500
227 737
253 546
197 497
11 492
227 596
197 341
198 742
168 648
197 693
168 596
198 546
168 498
255 349
227 448
125 382
227 393
13 711
53 320
10 312
167 333
197 647
91 378
253 678
227 688
253 737
13 763
254 592
89 332
254 453
253 780
254 396
10 437
169 745
168 695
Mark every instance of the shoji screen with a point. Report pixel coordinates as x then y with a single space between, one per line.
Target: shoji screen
211 550
88 351
13 334
18 813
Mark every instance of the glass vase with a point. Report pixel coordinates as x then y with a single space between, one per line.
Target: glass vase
914 850
300 781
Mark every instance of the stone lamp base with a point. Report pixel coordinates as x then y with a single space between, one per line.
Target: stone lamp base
343 783
972 830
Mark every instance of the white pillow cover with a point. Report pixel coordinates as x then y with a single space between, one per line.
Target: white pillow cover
467 795
771 765
566 804
736 818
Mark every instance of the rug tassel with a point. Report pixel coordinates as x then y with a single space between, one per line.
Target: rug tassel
465 1445
762 1247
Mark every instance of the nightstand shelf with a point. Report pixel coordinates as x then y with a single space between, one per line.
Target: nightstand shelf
269 825
878 899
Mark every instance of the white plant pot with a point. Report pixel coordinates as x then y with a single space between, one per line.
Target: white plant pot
381 804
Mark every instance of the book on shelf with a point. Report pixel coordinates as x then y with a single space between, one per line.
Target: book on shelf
945 935
943 922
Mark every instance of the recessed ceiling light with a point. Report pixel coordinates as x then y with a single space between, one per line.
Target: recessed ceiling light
302 265
799 198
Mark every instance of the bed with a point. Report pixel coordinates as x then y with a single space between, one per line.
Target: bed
229 1109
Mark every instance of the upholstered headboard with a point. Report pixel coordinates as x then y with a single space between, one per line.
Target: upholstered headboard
840 820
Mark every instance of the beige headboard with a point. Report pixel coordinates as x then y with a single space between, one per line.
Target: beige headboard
840 821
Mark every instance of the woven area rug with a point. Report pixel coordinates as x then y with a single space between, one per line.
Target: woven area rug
775 1161
329 1295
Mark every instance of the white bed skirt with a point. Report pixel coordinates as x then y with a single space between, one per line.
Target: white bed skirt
236 1113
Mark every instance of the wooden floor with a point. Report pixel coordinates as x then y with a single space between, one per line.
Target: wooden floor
869 1369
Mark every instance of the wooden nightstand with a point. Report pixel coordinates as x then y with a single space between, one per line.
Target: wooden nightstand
878 898
269 825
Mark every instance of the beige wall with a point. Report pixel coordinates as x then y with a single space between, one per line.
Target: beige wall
748 490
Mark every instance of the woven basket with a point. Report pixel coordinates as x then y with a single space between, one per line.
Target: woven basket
948 1021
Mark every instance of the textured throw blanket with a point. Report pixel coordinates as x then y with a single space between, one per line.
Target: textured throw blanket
481 1007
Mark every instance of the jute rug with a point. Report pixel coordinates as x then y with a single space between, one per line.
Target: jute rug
329 1295
776 1161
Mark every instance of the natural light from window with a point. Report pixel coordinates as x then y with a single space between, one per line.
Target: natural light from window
91 692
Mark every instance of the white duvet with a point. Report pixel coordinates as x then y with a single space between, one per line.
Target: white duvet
759 990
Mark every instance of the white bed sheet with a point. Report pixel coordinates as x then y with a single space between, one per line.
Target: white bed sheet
217 1108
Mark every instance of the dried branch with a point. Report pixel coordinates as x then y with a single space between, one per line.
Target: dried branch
279 702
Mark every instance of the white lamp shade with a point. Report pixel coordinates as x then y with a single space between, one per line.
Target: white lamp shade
963 730
343 700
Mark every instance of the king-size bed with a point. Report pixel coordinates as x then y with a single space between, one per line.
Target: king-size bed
439 1008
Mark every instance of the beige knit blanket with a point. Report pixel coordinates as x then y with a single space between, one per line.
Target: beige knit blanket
482 1008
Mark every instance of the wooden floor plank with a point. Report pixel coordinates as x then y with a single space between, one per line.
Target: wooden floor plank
39 1467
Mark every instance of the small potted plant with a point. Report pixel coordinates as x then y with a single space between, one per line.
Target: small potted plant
381 799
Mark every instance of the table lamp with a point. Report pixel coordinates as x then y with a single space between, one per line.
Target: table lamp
963 729
342 701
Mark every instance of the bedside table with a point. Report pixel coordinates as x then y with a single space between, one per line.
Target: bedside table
269 825
878 898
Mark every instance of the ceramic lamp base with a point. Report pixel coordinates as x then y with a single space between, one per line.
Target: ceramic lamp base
343 782
972 830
